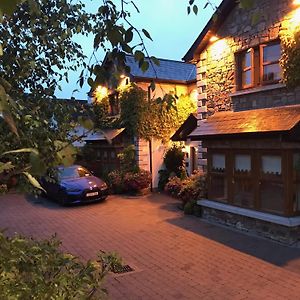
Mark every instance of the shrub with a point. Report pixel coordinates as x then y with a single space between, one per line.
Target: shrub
174 186
174 163
194 187
163 179
127 159
120 182
174 159
190 189
31 269
138 181
115 180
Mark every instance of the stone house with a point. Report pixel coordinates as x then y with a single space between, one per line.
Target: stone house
248 120
169 76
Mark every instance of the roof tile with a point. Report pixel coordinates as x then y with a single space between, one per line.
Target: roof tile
279 119
167 70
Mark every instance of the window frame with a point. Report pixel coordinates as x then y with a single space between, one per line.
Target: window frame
257 66
246 69
256 176
262 64
216 174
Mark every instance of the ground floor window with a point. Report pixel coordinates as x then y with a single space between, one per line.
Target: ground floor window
296 181
218 177
258 179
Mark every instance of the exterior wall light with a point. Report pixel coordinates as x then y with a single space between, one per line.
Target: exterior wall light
296 2
213 39
100 92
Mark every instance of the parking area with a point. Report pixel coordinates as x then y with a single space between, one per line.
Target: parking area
173 256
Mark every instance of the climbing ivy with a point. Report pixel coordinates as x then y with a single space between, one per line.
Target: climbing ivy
290 59
147 119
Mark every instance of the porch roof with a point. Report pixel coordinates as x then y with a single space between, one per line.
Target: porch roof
186 128
95 135
252 122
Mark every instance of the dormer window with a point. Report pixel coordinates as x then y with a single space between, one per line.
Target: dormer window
258 66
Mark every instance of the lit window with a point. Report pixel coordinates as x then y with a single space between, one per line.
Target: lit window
247 68
259 66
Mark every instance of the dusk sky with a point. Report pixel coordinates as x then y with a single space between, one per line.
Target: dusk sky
172 31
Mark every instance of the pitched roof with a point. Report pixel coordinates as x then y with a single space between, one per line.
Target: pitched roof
210 29
169 70
259 121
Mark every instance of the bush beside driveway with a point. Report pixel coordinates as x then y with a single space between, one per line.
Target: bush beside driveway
174 256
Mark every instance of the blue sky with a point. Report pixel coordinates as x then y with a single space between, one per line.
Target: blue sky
172 31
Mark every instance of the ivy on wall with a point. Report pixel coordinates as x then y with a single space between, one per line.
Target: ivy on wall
290 59
157 118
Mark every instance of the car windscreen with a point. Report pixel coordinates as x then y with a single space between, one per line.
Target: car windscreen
73 172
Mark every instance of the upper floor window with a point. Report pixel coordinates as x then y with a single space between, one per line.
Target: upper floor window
259 65
270 69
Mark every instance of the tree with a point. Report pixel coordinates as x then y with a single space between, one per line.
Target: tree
36 52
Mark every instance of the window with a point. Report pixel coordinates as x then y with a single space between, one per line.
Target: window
247 68
218 181
258 65
271 184
270 69
243 184
296 182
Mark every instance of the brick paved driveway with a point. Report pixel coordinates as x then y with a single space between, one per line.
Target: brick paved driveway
176 256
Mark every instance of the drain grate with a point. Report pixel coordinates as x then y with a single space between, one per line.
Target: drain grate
122 269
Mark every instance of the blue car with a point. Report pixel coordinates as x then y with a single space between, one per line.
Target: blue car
75 184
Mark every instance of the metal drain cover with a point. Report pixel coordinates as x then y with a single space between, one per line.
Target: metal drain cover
122 269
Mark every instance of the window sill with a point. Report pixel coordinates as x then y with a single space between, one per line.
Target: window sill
258 89
285 221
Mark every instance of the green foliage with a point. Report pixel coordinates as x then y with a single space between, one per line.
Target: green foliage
174 186
190 189
101 114
174 160
115 180
36 54
146 119
290 59
194 187
174 164
129 182
134 107
31 269
127 160
137 181
163 179
43 127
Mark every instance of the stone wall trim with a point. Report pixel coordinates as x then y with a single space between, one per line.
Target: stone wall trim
285 221
258 89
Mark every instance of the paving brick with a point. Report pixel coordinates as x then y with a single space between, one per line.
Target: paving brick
176 256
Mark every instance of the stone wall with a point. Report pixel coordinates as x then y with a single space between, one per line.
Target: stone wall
216 66
280 233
